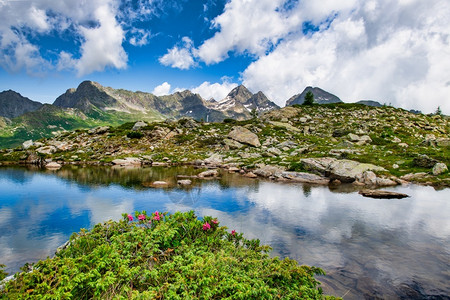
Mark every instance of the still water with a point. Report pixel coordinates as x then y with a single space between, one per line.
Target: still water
370 248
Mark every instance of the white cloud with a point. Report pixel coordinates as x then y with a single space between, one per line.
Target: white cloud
179 57
100 26
217 91
162 89
391 52
102 45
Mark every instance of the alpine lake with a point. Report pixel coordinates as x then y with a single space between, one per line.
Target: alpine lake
369 248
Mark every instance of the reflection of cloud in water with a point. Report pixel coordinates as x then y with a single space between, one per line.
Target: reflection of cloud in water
101 209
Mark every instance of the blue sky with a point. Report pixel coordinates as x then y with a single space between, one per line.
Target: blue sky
394 52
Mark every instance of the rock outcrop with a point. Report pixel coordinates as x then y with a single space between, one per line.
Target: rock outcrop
244 136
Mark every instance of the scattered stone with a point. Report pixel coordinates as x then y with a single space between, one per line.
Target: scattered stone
188 123
443 142
403 145
245 136
250 175
395 166
380 194
215 159
286 126
159 184
274 151
27 144
353 137
414 176
232 144
439 169
53 165
396 140
184 182
267 171
305 177
209 173
138 125
128 161
233 169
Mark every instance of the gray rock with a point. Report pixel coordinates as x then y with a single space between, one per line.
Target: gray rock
439 169
209 173
386 182
53 165
267 171
232 144
274 151
317 165
128 161
443 142
184 182
138 125
369 178
188 123
46 150
353 137
214 159
27 144
396 140
348 170
250 175
382 194
414 176
305 177
245 136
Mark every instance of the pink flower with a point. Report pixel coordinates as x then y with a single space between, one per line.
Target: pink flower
157 216
206 226
233 232
130 218
141 217
215 221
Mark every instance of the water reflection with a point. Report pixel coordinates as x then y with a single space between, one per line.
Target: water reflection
369 247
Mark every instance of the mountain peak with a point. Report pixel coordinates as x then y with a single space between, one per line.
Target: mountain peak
320 96
240 94
13 104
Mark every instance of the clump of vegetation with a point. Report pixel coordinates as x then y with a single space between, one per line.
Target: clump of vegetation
162 256
309 98
3 274
135 135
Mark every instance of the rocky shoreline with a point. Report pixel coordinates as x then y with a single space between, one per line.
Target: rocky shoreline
357 145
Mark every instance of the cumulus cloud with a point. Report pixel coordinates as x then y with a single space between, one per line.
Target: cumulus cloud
390 51
98 28
162 89
217 91
179 57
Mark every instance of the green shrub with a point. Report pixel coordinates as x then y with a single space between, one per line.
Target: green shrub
3 274
135 134
229 121
161 256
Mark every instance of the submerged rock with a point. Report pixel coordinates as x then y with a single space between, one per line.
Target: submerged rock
209 173
128 161
380 194
53 165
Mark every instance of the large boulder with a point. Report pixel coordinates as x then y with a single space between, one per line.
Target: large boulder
267 171
347 170
27 144
245 136
344 170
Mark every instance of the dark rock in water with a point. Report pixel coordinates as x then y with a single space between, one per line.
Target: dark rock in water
380 194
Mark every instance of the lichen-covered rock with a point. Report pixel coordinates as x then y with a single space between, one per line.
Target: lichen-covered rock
439 169
27 144
245 136
46 150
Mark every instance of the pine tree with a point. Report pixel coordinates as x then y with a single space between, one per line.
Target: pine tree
309 98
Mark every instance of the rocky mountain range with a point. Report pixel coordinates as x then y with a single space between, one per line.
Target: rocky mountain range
91 104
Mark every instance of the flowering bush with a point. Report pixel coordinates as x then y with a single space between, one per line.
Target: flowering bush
174 257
